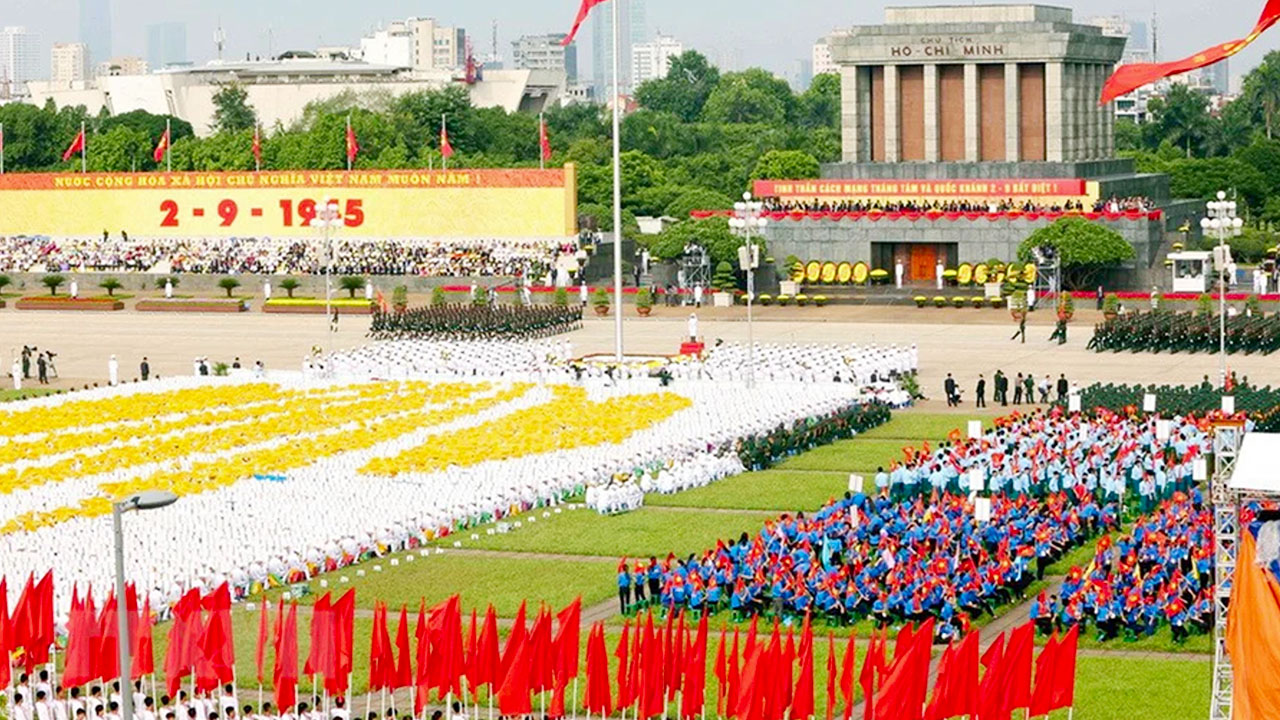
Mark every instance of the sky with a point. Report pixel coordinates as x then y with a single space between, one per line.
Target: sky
740 33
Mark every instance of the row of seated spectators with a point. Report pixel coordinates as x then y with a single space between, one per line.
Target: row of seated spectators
351 256
1110 205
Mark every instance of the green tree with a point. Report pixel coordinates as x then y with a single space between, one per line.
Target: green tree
697 199
750 96
1128 136
228 284
290 284
437 296
1181 117
221 151
1085 248
1203 178
1264 156
1260 92
150 125
724 278
31 138
5 281
711 233
684 90
352 284
53 282
120 149
111 285
785 165
231 109
820 104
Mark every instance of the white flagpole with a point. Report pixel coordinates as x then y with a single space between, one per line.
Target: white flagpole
617 197
168 143
84 146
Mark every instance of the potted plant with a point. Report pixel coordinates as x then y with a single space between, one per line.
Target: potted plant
819 300
1110 306
920 300
949 276
479 296
977 301
600 301
560 298
400 298
959 301
939 301
52 282
784 299
437 296
997 302
765 299
351 284
1066 307
1204 305
228 284
644 302
1253 306
879 276
111 285
802 299
289 284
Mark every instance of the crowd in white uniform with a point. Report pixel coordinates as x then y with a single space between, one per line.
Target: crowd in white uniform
268 528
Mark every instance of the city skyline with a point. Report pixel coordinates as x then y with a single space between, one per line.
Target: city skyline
765 39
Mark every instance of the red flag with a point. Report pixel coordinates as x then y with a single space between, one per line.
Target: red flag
621 653
1017 672
514 641
343 627
544 141
472 653
79 661
937 709
513 695
42 623
694 692
381 658
264 630
597 698
178 657
747 704
107 658
20 623
77 145
722 672
404 663
653 664
320 654
919 686
990 697
583 11
162 147
353 147
1130 77
421 682
257 146
218 641
802 697
144 662
1042 693
566 642
867 678
285 675
1064 671
735 681
894 698
446 150
964 690
488 660
6 645
540 652
831 675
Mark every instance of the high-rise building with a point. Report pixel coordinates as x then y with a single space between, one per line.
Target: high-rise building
822 62
417 43
544 52
95 28
69 64
632 28
1138 47
19 60
166 44
650 60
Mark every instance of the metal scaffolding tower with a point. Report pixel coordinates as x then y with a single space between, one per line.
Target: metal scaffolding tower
1226 538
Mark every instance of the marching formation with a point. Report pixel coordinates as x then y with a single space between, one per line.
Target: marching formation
475 322
1161 331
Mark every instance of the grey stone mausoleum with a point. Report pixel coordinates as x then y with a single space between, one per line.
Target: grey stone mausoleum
968 93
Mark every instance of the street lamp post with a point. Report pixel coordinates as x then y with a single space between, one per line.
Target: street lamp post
327 219
1220 220
146 500
748 218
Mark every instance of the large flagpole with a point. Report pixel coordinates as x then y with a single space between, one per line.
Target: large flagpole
617 197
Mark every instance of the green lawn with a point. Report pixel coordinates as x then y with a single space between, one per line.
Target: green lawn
856 455
645 532
779 490
912 426
1141 689
480 580
23 394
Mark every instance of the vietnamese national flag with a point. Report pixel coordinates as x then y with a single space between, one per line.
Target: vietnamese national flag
77 145
544 142
1128 78
353 147
162 147
583 11
257 146
446 150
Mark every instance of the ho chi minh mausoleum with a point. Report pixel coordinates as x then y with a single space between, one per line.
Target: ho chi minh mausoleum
950 112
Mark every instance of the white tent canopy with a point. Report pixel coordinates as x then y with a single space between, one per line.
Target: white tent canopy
1258 464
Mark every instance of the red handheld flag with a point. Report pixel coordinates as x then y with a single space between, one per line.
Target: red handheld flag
1064 667
381 659
621 652
831 675
1128 78
544 142
488 661
264 628
513 695
77 145
964 690
597 698
353 147
568 621
343 628
144 662
722 672
404 663
1017 673
285 676
320 653
162 147
257 146
802 697
1042 693
79 662
583 11
695 673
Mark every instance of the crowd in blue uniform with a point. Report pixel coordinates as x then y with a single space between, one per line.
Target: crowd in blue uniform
913 549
